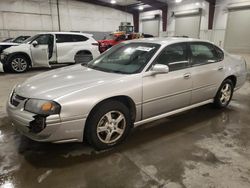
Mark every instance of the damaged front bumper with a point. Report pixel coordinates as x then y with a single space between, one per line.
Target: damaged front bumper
44 128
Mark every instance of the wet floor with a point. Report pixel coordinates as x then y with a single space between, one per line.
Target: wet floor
203 147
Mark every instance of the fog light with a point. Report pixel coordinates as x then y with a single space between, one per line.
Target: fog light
38 124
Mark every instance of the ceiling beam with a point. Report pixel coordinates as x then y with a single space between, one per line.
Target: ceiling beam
156 4
211 13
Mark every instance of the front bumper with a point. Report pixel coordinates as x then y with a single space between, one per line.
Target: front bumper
56 131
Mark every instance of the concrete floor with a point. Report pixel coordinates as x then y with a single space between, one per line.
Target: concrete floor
203 147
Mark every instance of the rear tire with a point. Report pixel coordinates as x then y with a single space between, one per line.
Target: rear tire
83 57
224 94
108 125
18 64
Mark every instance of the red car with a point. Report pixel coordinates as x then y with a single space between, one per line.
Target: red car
111 40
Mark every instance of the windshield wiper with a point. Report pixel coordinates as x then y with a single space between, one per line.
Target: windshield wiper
117 71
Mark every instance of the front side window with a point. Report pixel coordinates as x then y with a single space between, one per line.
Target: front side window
125 58
203 53
175 56
45 39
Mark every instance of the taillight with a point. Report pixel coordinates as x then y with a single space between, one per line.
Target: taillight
95 44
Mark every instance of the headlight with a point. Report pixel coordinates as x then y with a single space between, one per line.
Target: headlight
42 107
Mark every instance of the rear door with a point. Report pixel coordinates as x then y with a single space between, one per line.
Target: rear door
207 70
67 45
40 51
169 91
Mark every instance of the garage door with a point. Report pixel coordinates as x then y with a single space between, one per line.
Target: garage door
187 26
151 27
238 31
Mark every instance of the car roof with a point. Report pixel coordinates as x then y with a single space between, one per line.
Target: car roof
167 40
68 33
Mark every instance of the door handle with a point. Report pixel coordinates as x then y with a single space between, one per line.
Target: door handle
220 68
187 76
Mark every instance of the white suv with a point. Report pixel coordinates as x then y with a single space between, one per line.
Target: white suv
45 49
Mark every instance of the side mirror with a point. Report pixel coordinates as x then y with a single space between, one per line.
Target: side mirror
159 69
35 43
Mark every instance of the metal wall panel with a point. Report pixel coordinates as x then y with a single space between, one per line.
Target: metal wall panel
151 27
188 26
237 37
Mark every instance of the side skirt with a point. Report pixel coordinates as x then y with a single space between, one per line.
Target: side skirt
138 123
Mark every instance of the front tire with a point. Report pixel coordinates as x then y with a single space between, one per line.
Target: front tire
224 94
108 125
18 64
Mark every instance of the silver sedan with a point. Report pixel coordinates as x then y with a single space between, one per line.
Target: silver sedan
131 84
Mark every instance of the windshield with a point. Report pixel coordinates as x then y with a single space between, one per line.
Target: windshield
125 58
30 39
20 39
110 37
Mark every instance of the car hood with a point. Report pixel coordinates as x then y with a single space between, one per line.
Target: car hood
57 83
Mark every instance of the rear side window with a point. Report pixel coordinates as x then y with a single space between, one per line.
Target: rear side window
220 53
203 53
62 38
79 38
175 56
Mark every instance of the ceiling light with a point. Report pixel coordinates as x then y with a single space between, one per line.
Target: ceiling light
197 4
178 1
113 1
141 7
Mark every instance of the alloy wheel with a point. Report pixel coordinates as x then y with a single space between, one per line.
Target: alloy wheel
19 64
111 127
226 92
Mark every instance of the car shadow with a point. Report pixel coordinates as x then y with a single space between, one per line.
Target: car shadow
64 155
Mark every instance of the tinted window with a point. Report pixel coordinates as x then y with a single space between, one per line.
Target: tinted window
61 38
175 56
44 39
220 53
203 53
79 38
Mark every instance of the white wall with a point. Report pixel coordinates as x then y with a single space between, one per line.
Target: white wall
217 35
19 17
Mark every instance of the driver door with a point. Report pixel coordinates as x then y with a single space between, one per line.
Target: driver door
166 92
40 50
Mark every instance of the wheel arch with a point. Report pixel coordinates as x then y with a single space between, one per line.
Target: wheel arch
126 100
233 78
83 52
23 54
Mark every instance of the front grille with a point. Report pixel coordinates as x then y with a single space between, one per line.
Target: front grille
16 99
